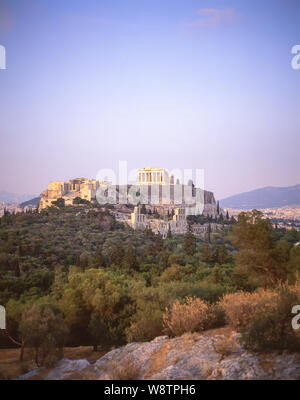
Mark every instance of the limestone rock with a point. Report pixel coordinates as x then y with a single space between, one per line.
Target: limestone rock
213 355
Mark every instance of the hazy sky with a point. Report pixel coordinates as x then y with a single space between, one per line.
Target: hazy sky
167 83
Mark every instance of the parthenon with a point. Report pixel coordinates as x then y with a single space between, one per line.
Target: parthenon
154 176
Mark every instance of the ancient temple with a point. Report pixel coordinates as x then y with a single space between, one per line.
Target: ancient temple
154 176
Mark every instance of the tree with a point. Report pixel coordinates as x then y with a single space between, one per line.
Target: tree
98 330
60 203
14 311
99 259
189 244
206 252
208 233
159 244
216 275
218 207
98 290
129 259
221 254
45 332
79 200
116 254
163 260
292 236
169 235
257 251
149 234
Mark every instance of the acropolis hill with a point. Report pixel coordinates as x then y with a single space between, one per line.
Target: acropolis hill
87 188
149 180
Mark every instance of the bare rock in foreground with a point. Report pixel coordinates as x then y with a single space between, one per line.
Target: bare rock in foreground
213 355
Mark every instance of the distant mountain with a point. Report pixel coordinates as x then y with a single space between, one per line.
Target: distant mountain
15 198
32 202
264 198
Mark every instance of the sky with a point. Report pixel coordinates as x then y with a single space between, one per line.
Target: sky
192 84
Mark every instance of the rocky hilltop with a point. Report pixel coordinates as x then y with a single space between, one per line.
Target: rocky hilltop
213 355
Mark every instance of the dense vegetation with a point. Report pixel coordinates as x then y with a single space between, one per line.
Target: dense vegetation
104 284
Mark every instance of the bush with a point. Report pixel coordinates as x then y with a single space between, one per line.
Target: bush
146 327
188 317
173 273
272 330
126 370
240 307
215 317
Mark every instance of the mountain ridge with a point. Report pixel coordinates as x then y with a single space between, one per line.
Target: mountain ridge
266 197
15 198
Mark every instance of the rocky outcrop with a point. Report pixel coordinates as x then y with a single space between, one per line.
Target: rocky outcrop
213 355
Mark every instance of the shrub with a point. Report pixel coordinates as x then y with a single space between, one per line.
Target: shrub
173 273
240 307
188 317
272 330
125 370
215 317
145 327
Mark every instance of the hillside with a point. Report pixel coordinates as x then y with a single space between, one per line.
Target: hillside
267 197
214 355
31 203
86 279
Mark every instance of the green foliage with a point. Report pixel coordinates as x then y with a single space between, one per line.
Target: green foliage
258 253
45 331
79 200
113 284
60 203
98 330
96 290
189 242
129 259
